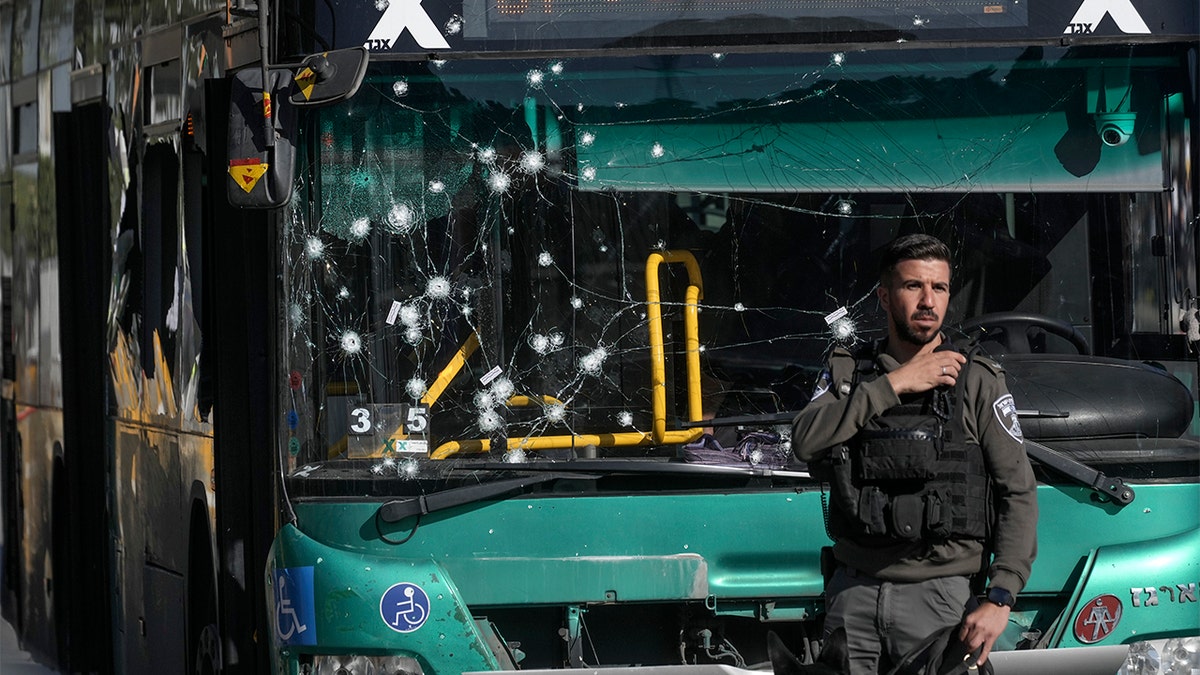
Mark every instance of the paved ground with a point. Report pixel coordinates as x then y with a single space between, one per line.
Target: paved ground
13 661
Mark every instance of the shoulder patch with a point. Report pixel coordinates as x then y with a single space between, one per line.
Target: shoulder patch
822 385
839 369
1006 414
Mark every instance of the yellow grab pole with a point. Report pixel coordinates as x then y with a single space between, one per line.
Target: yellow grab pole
658 359
522 401
658 379
622 439
691 329
658 366
444 378
451 370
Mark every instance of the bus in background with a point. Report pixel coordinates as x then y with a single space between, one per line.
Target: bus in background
131 325
482 356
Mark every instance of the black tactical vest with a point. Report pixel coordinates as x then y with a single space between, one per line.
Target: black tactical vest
909 473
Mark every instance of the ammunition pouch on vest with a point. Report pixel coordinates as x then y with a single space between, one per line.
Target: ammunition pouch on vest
909 473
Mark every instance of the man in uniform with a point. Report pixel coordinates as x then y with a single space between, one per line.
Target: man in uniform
929 483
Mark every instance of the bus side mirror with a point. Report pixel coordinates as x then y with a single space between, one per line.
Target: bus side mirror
262 121
331 77
262 130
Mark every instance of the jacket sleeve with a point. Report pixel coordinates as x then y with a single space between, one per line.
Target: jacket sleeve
837 411
1014 540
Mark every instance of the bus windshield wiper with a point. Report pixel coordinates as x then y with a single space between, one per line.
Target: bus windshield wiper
399 509
642 467
540 473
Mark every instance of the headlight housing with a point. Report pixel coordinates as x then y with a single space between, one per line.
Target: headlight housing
355 664
1176 656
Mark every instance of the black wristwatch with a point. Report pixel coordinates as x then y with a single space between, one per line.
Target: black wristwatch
1001 596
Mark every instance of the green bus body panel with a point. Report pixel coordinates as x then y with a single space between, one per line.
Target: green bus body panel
752 554
347 588
1071 523
720 548
565 549
1155 582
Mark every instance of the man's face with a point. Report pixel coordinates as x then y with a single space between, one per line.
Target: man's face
917 299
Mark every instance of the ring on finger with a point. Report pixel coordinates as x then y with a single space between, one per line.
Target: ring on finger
943 370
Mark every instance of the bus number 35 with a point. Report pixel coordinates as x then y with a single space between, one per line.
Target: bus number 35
389 418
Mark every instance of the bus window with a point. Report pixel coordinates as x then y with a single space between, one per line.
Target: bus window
519 258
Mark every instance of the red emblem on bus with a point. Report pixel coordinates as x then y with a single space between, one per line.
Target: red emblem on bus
1097 619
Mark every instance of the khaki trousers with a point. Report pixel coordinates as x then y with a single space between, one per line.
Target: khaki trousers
885 619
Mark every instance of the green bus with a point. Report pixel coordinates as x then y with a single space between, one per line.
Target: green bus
456 336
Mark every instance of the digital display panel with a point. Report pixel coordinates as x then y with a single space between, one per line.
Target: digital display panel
588 19
424 27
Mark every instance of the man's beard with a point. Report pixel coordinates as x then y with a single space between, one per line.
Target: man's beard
906 333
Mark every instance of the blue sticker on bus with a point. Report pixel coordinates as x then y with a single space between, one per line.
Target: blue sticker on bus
295 616
404 607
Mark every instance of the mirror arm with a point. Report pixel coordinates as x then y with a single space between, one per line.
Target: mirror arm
268 124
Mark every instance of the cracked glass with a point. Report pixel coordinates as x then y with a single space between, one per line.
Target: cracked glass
524 260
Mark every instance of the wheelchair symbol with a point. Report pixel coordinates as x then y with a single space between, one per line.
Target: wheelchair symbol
285 614
404 607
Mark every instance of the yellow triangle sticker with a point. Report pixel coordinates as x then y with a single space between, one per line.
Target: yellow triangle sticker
305 79
247 172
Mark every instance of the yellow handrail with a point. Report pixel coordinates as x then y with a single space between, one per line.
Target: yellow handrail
658 360
691 330
659 434
521 401
444 378
451 370
620 439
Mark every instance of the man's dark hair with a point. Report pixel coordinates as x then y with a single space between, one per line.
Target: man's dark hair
910 247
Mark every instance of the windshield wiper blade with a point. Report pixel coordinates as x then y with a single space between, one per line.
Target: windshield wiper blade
614 466
399 509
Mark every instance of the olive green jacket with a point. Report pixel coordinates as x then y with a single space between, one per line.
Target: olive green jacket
839 409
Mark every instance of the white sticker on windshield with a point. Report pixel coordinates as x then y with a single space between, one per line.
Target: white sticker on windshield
836 314
490 375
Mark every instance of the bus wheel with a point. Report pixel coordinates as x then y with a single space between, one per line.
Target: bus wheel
208 651
203 636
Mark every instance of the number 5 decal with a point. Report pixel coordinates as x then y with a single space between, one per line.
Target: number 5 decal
361 421
416 420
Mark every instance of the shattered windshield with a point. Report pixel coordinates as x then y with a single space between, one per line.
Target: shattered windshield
531 259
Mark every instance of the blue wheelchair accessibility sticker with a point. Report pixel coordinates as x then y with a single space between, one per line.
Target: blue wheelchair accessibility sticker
295 619
404 607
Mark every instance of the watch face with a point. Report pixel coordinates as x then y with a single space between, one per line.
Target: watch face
1001 597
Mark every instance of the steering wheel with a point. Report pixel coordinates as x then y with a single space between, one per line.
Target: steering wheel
1011 330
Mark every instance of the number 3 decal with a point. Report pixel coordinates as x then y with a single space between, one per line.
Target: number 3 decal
362 421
